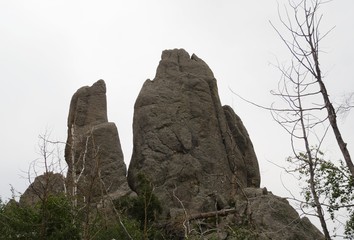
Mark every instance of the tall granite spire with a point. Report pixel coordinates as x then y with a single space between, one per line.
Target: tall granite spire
185 142
93 152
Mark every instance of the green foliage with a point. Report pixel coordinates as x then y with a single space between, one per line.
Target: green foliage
55 218
137 207
144 208
333 183
116 231
18 222
49 220
349 227
60 218
337 184
243 233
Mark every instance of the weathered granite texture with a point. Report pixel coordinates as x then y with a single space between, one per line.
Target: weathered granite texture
43 186
93 152
196 153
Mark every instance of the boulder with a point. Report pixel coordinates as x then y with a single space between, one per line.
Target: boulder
47 184
256 214
272 217
196 153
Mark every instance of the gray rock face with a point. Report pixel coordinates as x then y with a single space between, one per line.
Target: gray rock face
196 153
250 168
274 218
93 152
200 160
43 185
256 214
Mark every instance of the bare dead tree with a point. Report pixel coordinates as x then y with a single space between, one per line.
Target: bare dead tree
86 193
299 120
307 114
88 190
303 26
302 89
43 175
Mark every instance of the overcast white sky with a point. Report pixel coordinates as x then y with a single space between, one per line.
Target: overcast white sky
49 49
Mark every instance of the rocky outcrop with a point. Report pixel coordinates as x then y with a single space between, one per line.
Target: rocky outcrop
93 152
256 214
43 186
272 217
192 153
196 153
200 160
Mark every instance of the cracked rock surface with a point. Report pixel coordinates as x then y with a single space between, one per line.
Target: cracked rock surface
195 152
93 151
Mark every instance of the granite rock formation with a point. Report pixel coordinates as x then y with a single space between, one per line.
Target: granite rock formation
199 157
193 150
272 217
195 154
93 152
43 185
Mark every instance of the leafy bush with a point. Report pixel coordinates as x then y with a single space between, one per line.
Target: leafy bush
51 219
116 231
144 208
